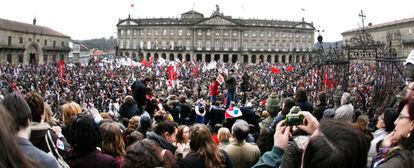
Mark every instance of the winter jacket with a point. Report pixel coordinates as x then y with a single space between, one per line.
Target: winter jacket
93 158
402 159
159 140
38 134
242 154
194 161
45 160
271 158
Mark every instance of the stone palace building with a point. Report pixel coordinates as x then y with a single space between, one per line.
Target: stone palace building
22 43
218 37
400 33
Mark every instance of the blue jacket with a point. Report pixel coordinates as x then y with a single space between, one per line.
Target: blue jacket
36 154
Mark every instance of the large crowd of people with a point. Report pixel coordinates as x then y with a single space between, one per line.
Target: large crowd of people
190 114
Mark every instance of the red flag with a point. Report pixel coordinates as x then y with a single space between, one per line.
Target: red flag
132 5
61 64
195 71
275 70
290 68
149 63
172 74
143 62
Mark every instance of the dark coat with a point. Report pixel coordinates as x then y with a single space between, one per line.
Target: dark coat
139 91
90 159
37 137
128 110
320 108
193 161
305 106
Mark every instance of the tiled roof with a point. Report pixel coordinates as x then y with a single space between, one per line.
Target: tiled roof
28 28
396 22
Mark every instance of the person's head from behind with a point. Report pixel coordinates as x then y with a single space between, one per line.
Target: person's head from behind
36 104
240 130
265 140
70 110
387 119
132 138
203 146
288 103
223 135
19 110
145 123
11 156
167 130
143 154
134 122
183 134
112 140
300 95
85 133
336 144
322 98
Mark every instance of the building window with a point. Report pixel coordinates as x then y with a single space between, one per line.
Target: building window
121 44
163 44
226 45
261 45
235 45
171 32
217 44
20 58
128 32
199 32
63 43
9 40
188 44
141 33
148 44
188 33
410 31
21 40
164 32
246 34
208 44
180 32
135 32
54 58
226 33
149 32
235 33
38 40
254 34
45 42
261 34
9 58
127 44
269 34
44 58
156 32
180 44
269 43
245 45
217 33
54 43
30 39
122 32
171 45
254 45
208 33
199 45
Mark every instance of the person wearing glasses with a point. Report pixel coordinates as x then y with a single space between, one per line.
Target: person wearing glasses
397 149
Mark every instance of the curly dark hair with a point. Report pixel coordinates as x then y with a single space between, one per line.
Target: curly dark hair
143 154
85 133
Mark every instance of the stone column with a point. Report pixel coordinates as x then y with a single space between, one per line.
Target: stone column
203 58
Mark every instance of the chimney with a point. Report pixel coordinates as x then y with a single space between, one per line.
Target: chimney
34 21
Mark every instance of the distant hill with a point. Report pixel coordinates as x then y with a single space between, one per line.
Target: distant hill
101 43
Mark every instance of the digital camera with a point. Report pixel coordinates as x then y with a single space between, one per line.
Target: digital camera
294 119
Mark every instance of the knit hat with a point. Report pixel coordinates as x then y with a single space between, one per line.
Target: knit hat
273 103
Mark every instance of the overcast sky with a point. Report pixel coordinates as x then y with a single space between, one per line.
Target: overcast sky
86 19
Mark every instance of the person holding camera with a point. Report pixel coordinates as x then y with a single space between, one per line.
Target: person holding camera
332 143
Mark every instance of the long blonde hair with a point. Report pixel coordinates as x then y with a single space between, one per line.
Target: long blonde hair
70 110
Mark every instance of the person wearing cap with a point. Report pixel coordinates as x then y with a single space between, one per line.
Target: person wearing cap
272 107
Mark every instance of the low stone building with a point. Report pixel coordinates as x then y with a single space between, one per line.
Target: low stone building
22 43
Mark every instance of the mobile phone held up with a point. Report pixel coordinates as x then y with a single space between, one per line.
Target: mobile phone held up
294 119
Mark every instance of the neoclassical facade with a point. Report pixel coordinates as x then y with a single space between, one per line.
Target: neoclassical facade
218 37
22 43
399 32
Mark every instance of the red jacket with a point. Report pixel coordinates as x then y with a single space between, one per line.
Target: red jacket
214 88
